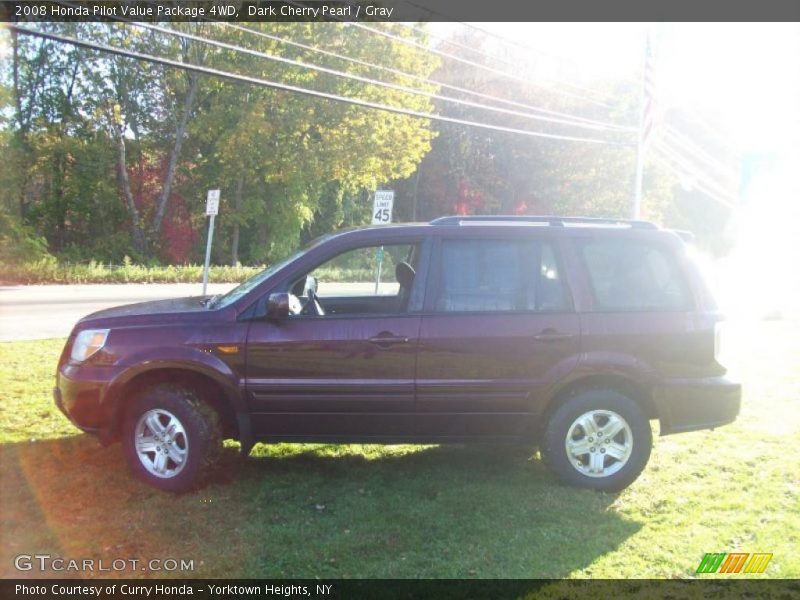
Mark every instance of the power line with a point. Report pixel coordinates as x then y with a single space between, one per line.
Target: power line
292 88
695 150
703 122
451 42
679 173
367 80
688 169
471 63
429 81
507 42
485 68
687 165
354 77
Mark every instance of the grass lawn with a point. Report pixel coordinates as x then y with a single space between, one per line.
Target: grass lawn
409 511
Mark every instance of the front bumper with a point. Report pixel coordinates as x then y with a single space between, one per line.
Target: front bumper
692 404
80 394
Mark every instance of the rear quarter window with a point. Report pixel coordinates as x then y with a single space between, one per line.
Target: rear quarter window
629 275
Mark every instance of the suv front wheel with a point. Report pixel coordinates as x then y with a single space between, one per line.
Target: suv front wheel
598 439
170 437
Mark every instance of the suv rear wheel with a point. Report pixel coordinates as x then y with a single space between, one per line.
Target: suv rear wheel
171 438
598 439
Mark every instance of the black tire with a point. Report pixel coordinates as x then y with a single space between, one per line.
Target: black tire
198 442
603 408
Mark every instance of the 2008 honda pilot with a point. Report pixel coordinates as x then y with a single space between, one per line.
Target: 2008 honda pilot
570 333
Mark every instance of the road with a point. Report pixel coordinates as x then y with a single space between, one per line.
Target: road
36 312
32 312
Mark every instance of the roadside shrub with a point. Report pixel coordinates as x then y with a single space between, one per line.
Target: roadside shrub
19 242
48 270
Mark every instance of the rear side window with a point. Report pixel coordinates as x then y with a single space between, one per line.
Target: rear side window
631 275
499 275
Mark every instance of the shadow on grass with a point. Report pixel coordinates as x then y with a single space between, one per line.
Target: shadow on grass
310 511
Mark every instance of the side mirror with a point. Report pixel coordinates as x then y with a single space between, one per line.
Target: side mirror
281 305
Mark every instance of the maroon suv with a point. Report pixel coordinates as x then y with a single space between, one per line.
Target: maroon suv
572 333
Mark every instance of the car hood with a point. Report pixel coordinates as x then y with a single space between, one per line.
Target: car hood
192 304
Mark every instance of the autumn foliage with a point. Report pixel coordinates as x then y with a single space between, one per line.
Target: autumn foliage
178 235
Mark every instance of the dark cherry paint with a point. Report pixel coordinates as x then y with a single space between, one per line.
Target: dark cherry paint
417 376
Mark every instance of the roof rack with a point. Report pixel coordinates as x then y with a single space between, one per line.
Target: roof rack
552 221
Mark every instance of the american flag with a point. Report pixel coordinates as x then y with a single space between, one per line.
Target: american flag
650 111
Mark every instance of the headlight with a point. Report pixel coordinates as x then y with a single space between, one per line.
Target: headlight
87 343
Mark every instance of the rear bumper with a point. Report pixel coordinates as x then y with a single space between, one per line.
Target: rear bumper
692 404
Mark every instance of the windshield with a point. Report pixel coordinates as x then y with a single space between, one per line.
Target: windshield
250 284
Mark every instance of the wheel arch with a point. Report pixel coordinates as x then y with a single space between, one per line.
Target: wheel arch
217 394
636 391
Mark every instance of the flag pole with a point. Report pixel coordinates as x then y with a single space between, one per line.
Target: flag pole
636 204
646 118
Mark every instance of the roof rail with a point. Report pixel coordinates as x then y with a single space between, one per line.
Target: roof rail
552 221
685 235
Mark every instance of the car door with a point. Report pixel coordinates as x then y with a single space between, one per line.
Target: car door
347 374
498 329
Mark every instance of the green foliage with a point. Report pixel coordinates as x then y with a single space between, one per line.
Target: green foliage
19 242
77 123
48 270
280 159
305 158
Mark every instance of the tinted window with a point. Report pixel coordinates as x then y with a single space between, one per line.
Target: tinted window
629 275
498 275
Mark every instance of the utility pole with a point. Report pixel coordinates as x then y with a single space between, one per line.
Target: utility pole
647 120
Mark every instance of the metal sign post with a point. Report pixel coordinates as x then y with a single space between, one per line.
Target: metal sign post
381 215
212 208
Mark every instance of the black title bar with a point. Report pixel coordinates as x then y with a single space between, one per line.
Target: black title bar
400 10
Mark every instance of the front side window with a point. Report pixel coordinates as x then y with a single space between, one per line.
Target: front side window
498 275
368 271
631 275
250 284
366 280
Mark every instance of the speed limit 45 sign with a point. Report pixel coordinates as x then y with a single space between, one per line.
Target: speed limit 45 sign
382 208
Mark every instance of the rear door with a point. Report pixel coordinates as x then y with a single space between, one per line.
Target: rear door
640 306
498 330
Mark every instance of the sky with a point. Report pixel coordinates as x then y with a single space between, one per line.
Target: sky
743 78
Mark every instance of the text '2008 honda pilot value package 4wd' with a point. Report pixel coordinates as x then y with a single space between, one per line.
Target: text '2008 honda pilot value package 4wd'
570 333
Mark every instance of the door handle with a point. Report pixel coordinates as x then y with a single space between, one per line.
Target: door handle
386 339
551 335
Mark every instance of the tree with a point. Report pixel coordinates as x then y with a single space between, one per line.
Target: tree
472 170
287 160
133 143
